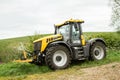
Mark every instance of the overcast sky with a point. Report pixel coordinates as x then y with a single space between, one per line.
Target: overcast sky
25 17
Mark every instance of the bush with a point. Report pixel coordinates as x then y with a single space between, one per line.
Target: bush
112 39
36 36
29 46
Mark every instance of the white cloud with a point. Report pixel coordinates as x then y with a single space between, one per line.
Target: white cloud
24 17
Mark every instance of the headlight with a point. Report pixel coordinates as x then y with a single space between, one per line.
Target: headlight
37 46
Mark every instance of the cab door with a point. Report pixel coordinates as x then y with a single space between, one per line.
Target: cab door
75 35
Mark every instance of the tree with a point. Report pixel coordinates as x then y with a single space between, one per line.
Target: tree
116 15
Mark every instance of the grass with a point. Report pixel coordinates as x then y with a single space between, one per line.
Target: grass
22 69
19 69
112 56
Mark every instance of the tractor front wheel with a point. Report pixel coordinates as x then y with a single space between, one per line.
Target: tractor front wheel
58 57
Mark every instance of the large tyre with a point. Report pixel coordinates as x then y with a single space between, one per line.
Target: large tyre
97 51
58 57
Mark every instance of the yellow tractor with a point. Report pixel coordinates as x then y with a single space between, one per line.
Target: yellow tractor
67 44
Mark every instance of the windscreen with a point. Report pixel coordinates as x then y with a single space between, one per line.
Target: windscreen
64 31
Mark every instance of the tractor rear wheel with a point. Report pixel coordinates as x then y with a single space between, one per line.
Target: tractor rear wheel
97 51
58 57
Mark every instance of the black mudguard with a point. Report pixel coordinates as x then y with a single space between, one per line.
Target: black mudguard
89 43
64 44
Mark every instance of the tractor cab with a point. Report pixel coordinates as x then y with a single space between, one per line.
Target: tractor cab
71 32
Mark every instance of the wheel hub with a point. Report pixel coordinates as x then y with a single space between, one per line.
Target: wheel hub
96 52
58 58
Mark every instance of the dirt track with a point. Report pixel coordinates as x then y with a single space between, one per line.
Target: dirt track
104 72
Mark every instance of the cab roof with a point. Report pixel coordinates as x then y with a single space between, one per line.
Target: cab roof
69 21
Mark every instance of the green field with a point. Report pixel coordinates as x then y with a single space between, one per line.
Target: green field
9 51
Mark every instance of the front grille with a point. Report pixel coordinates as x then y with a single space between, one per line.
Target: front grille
37 46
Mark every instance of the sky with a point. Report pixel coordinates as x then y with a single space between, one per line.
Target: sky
27 17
